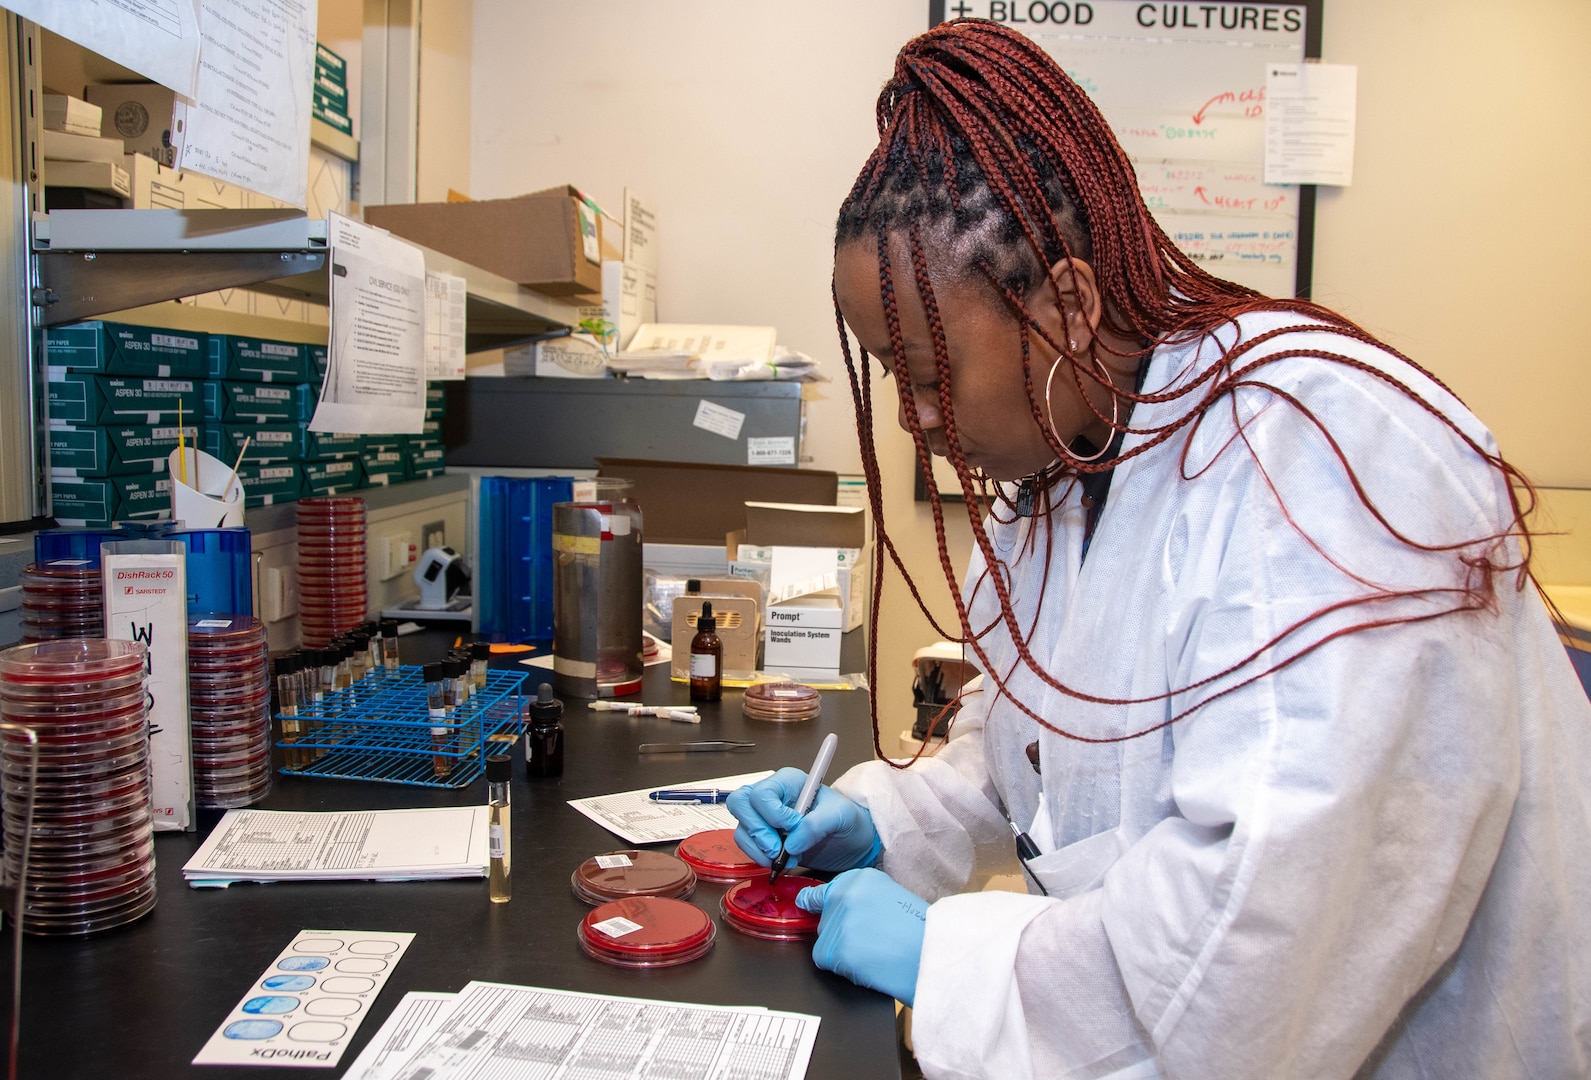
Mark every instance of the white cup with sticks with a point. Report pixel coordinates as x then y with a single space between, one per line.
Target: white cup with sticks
205 491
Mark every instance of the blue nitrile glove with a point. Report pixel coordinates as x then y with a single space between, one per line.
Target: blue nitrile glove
871 932
836 833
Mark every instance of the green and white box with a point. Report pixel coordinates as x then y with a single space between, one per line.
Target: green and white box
268 485
108 348
78 398
115 451
257 359
333 477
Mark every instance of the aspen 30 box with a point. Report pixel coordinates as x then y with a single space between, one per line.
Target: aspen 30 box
385 465
328 445
257 360
267 443
802 634
108 348
267 485
86 503
114 451
333 477
247 402
77 398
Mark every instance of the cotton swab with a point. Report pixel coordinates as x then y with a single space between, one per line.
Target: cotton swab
237 465
182 446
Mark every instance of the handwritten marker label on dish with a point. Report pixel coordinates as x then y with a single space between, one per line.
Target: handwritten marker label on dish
305 1008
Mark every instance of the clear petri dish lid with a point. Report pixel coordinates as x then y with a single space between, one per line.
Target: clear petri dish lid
646 931
69 661
781 701
71 719
768 910
715 856
613 875
72 693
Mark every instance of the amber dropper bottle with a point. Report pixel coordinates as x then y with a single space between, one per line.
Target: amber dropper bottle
707 657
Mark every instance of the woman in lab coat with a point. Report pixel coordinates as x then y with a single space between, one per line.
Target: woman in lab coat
1302 762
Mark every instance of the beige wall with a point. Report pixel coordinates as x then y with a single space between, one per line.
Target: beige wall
1460 241
442 153
747 122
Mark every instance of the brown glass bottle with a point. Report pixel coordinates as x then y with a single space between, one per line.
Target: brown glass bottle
707 657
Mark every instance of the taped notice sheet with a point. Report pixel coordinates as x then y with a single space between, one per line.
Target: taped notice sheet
249 122
159 39
497 1030
444 326
375 365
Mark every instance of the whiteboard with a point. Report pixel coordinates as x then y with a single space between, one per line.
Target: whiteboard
1183 87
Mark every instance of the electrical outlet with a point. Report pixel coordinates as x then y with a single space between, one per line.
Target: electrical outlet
396 555
433 534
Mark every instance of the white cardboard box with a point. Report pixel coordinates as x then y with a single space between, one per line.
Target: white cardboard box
853 570
804 632
146 600
63 112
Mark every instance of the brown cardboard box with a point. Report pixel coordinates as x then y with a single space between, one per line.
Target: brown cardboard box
794 525
536 240
688 503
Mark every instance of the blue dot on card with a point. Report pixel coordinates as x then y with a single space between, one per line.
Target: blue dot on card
270 1004
288 982
303 963
252 1029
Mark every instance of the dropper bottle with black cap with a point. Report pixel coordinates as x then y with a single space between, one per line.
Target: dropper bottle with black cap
707 657
544 740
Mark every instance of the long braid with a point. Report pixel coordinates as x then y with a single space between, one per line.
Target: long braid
980 131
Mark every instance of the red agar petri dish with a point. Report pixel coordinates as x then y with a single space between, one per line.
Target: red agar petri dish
769 911
615 875
715 856
646 931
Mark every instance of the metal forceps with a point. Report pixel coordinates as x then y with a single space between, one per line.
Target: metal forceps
700 746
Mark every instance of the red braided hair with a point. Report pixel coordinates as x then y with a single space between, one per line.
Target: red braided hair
981 132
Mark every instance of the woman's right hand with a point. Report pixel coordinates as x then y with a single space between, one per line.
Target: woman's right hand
836 834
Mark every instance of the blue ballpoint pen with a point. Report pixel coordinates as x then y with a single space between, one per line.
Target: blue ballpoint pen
705 796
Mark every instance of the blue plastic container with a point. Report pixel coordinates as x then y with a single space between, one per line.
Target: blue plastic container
220 570
76 545
513 586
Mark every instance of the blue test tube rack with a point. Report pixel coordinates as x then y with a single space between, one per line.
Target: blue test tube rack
379 729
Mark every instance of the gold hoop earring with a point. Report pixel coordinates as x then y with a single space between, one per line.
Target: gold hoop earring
1115 408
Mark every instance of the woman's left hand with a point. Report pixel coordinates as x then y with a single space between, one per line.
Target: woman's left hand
871 932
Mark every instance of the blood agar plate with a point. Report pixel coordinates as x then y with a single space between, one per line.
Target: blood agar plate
229 704
715 856
91 861
766 910
333 595
646 931
614 875
781 702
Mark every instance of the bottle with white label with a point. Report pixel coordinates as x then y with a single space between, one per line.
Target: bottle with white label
707 657
498 770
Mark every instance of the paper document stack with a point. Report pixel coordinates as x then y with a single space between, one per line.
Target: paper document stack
656 364
379 845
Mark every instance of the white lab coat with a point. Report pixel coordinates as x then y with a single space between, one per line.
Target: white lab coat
1374 862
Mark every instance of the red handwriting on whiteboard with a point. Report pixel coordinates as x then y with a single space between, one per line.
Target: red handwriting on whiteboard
1251 100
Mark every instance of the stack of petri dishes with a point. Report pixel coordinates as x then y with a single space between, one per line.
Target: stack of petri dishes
91 865
768 910
715 857
331 566
62 599
781 702
229 708
646 931
616 875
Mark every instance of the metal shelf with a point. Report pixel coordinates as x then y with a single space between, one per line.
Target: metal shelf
92 262
332 141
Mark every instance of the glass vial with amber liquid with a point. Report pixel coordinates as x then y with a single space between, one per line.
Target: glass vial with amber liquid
707 657
499 769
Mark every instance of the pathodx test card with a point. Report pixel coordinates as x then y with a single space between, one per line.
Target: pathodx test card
307 1005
